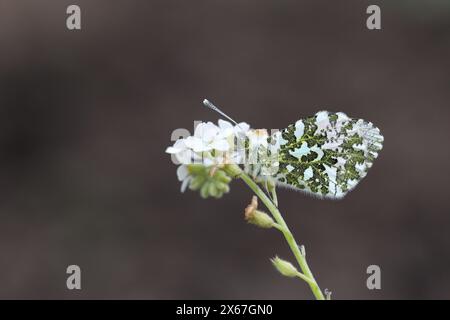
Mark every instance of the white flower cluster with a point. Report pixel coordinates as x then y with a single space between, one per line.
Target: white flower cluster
210 145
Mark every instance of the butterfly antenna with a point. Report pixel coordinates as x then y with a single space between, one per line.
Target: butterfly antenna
211 106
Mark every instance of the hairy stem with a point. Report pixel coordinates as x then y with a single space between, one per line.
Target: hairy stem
286 232
273 192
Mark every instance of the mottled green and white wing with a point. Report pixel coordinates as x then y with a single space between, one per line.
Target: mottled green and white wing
327 154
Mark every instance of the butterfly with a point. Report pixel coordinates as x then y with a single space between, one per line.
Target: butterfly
325 155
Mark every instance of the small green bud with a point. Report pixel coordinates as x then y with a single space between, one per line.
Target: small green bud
212 190
197 182
209 181
284 267
260 219
222 177
232 170
256 217
223 187
204 190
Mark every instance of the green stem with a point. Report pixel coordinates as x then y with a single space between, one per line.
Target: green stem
286 232
274 197
273 192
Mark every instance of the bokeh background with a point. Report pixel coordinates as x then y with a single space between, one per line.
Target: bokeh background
85 117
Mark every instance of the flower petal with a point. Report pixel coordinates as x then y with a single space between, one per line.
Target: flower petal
221 145
185 157
178 146
196 144
185 183
182 172
172 150
242 127
223 125
206 131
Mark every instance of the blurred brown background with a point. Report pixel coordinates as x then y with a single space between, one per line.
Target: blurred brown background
85 117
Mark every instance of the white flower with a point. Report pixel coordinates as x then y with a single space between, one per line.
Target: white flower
207 137
208 140
227 129
181 151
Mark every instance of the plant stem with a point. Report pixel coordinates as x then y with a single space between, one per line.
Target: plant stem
287 234
273 192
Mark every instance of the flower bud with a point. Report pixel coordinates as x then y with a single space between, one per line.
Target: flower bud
256 217
260 219
284 267
209 181
232 170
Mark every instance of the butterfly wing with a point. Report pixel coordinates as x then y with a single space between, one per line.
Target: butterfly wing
327 154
